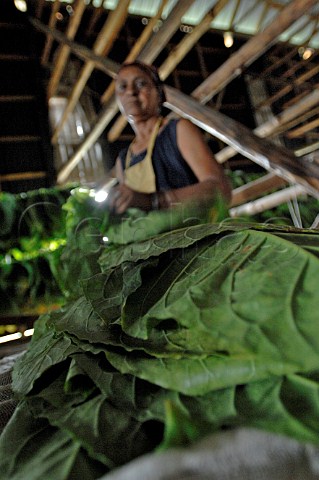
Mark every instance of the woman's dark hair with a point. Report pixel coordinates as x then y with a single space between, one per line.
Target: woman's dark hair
152 73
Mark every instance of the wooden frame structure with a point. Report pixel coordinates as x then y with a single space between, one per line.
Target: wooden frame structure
282 165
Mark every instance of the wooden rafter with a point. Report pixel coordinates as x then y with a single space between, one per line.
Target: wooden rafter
101 47
169 27
277 124
106 65
308 179
288 88
251 50
49 40
64 50
271 157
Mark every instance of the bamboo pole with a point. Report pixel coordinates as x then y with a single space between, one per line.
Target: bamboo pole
169 27
268 202
301 152
102 46
64 50
188 42
106 65
39 8
301 63
49 40
15 177
93 20
298 132
251 50
284 58
106 115
272 126
288 88
302 118
255 188
271 157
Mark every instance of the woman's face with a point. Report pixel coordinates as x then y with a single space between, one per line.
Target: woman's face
136 93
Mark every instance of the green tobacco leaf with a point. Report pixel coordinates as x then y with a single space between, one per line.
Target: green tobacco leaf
136 226
43 451
218 322
46 350
180 428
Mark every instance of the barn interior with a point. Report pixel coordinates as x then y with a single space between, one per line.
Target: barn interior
104 381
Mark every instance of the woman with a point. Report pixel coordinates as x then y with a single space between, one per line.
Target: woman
168 162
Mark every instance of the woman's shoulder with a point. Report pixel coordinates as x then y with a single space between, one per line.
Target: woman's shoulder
171 124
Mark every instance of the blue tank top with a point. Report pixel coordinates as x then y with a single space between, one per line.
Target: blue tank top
170 168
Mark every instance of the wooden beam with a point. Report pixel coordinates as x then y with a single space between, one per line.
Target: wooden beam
102 46
279 160
291 85
15 177
64 50
106 65
268 202
49 40
39 8
300 131
19 138
256 188
103 120
154 47
275 124
251 50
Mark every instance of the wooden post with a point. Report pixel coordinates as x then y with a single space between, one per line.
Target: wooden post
106 65
273 126
252 49
268 202
256 188
102 46
279 160
104 118
49 40
64 50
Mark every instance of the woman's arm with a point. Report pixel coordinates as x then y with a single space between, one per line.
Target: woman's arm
210 175
211 178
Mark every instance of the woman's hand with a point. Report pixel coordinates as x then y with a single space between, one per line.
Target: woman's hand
123 197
